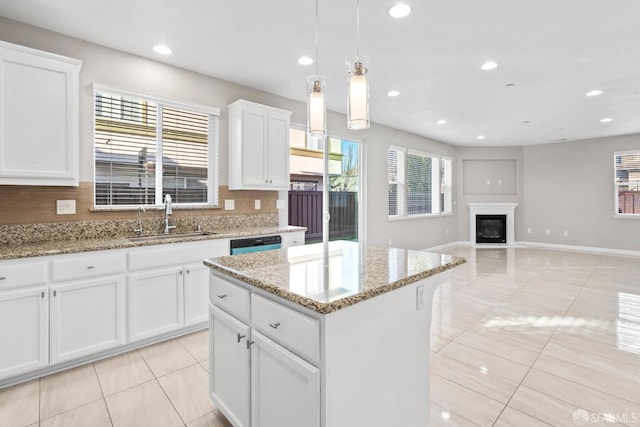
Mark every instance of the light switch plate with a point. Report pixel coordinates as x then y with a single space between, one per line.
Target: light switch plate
65 207
229 204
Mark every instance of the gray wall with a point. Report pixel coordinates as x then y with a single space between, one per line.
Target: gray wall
569 186
132 73
564 186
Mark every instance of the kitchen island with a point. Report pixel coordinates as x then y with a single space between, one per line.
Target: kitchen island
320 335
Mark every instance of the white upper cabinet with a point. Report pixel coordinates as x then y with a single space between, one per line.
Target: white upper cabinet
258 147
39 117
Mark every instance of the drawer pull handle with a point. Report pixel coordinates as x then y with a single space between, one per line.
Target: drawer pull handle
274 325
240 337
3 278
223 296
91 267
249 344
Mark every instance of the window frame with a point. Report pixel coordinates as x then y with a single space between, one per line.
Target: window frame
213 168
616 185
444 200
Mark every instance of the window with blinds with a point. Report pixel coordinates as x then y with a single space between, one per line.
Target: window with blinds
145 149
627 182
419 183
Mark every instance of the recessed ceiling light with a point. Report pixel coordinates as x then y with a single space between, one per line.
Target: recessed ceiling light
489 65
480 137
162 49
393 93
400 10
305 60
441 122
594 92
606 120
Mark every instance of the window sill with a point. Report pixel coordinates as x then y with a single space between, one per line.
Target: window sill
125 208
627 216
413 217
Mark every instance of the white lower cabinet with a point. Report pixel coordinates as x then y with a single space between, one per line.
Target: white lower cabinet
229 363
86 317
196 294
285 390
155 302
24 330
254 380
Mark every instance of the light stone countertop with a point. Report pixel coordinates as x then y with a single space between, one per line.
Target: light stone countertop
328 280
26 250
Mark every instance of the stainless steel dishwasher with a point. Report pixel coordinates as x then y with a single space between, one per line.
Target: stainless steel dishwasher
255 244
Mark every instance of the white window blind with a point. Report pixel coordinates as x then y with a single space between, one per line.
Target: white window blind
627 182
145 149
419 183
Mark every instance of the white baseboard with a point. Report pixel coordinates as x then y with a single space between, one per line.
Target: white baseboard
550 246
587 249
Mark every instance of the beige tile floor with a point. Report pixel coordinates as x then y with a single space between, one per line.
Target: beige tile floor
520 337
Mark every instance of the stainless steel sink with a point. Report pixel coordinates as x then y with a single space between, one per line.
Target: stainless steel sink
170 236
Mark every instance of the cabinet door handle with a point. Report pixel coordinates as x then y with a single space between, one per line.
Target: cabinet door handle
91 267
42 294
55 293
180 272
3 278
274 325
223 296
188 271
249 344
240 337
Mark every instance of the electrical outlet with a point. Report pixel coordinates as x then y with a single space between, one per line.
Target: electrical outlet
547 232
279 204
256 204
229 204
488 182
528 230
65 207
420 297
566 233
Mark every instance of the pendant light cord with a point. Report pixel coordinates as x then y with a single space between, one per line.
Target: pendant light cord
317 38
357 30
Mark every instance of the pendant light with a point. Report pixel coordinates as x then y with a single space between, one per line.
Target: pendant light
316 99
358 86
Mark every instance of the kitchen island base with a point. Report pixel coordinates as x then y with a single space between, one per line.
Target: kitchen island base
365 365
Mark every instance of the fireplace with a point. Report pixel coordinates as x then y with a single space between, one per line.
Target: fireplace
491 215
491 229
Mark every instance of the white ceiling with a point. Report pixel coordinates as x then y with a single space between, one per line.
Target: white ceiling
552 51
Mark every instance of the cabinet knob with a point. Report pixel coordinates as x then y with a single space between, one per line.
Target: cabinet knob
180 272
223 296
188 271
240 337
274 325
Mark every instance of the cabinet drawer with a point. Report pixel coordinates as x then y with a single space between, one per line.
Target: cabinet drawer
230 297
16 275
89 266
296 331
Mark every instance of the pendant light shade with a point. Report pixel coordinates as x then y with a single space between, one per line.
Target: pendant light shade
316 99
358 86
316 107
358 96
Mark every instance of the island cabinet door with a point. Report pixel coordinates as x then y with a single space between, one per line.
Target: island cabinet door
285 390
229 366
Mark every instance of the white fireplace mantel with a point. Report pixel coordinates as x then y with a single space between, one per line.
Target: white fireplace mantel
507 209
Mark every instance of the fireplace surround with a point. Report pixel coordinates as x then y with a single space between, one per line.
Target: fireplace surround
493 210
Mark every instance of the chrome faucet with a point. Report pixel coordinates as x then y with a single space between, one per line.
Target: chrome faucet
139 231
168 210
